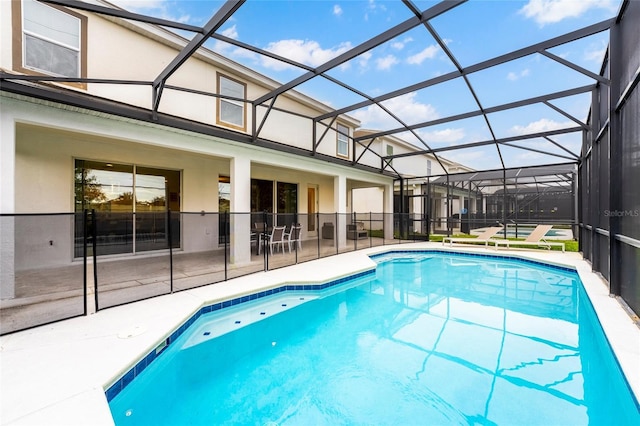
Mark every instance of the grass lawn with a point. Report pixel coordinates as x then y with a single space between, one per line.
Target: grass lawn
569 245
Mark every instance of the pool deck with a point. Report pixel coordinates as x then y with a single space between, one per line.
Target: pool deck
56 374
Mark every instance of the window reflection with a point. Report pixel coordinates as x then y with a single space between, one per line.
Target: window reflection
131 205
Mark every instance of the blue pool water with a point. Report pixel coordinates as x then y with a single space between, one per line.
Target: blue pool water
427 339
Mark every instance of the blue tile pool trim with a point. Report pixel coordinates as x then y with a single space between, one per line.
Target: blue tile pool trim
121 383
480 255
128 377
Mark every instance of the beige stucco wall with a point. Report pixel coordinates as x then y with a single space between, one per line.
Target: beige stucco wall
124 51
44 183
408 166
47 138
366 200
45 161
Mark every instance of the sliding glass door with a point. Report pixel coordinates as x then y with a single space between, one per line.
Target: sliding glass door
131 205
287 198
284 201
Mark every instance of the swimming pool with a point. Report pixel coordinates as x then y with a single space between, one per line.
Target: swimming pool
428 338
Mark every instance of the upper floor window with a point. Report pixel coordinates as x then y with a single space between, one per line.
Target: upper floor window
389 161
51 40
231 107
428 167
343 141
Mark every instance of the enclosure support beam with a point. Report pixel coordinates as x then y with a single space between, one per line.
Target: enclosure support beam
226 11
119 13
575 67
390 34
516 54
489 110
615 158
592 161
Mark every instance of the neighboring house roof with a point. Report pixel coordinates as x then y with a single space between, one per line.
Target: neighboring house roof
451 165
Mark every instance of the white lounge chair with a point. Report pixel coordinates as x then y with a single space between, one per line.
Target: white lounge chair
535 238
484 237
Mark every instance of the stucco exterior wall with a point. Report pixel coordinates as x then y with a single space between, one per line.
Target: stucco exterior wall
45 161
48 139
5 42
408 166
113 46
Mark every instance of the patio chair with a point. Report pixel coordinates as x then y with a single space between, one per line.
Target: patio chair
276 237
535 238
294 236
482 238
259 234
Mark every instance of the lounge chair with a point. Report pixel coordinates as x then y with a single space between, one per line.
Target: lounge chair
294 236
356 231
535 238
482 238
275 238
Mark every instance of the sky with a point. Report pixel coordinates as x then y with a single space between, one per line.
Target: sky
314 31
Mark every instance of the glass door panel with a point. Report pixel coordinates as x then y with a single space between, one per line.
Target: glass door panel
108 189
261 201
287 197
131 208
156 191
224 206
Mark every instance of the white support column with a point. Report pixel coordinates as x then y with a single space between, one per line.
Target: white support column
7 205
340 204
240 227
388 211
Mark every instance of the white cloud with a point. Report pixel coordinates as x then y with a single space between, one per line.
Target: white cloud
363 59
552 11
337 10
477 159
516 76
222 47
373 7
386 63
405 107
595 52
140 4
239 52
399 45
230 32
541 125
163 9
444 135
307 52
428 53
